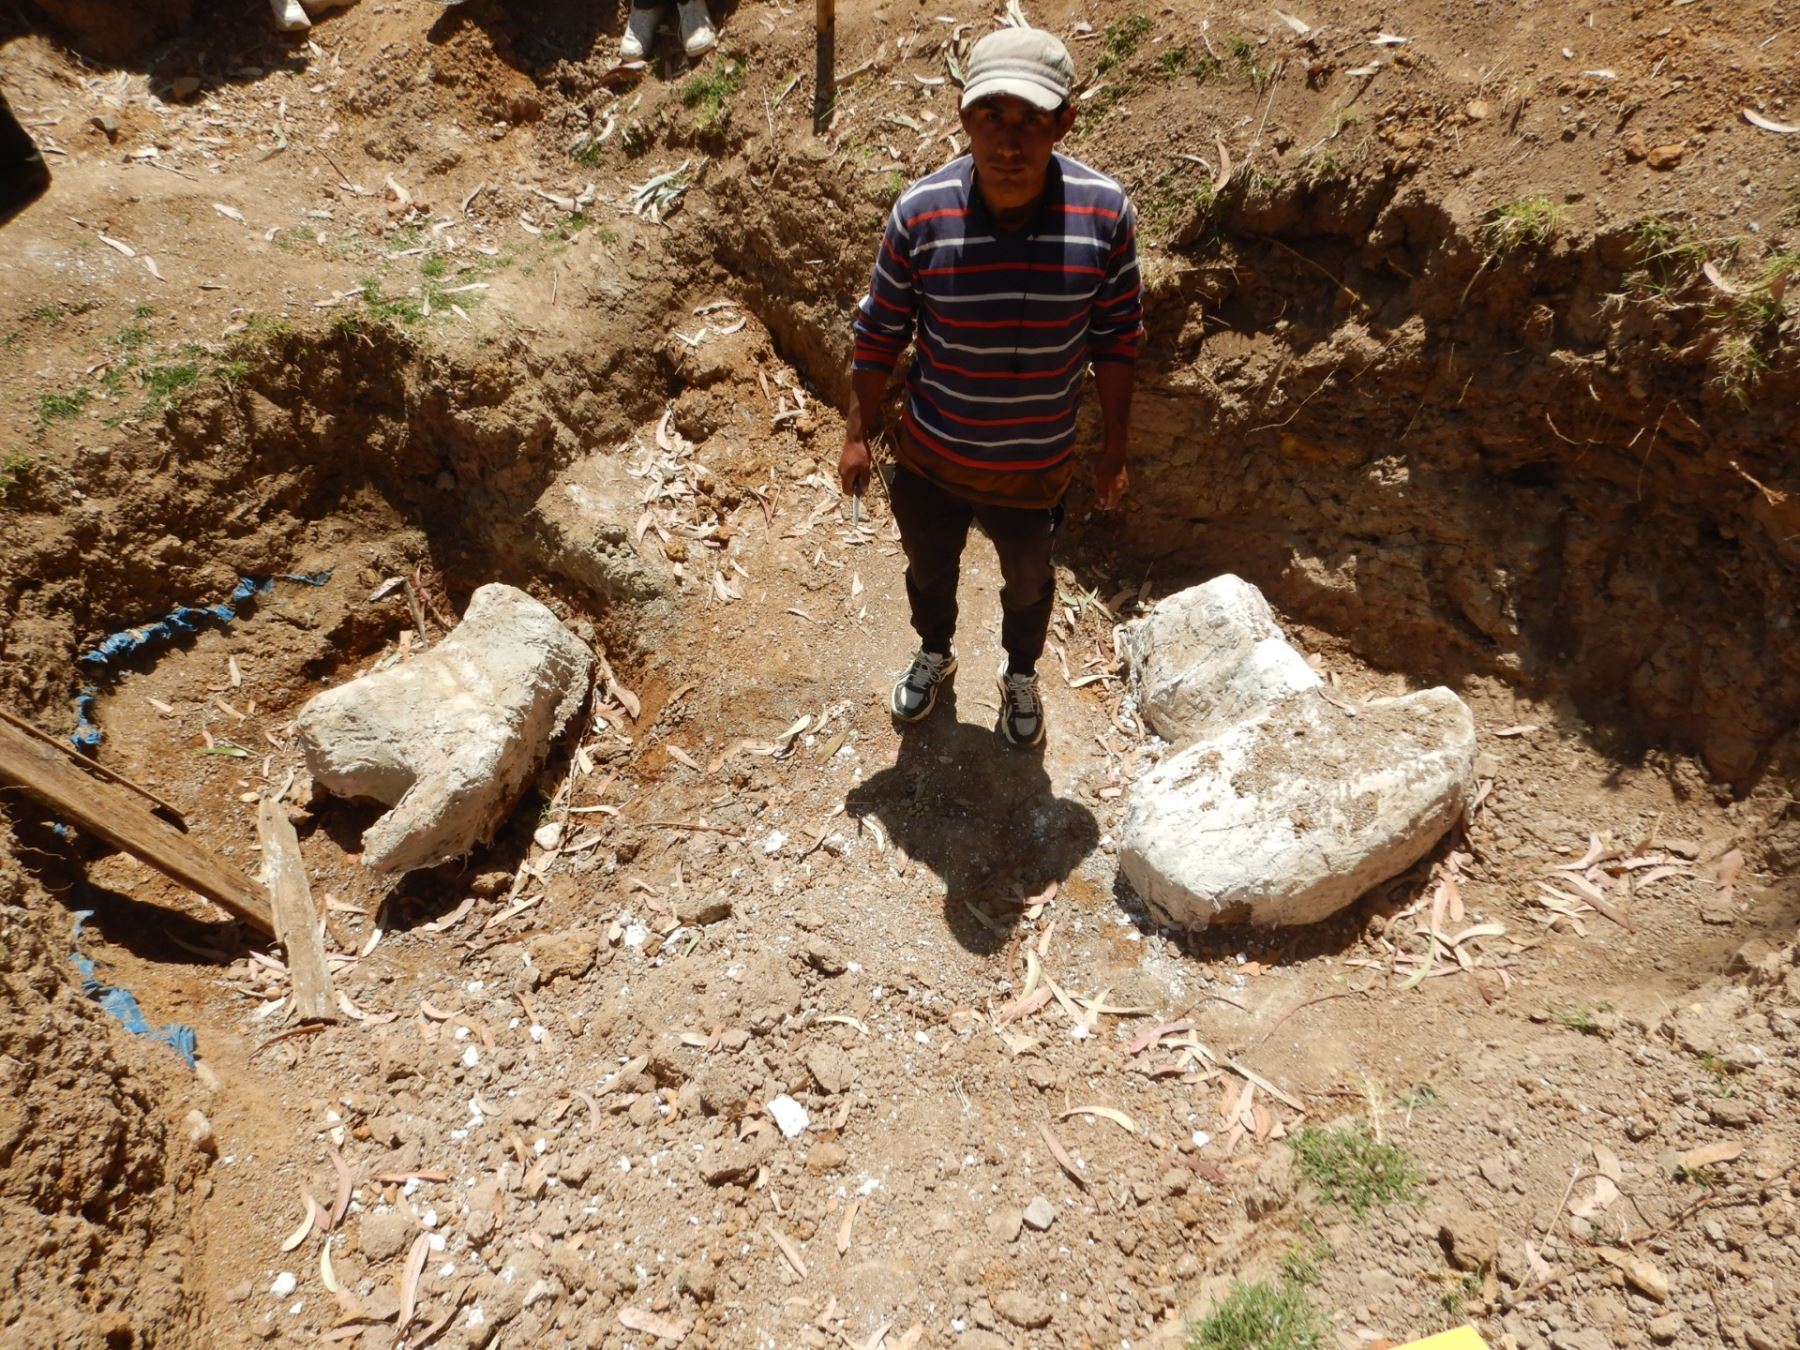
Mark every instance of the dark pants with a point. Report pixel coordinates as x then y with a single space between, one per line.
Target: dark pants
23 174
15 144
934 525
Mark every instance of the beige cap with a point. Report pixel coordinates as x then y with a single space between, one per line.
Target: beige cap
1027 62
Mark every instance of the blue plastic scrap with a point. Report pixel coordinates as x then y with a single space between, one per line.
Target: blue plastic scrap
178 622
178 1036
87 734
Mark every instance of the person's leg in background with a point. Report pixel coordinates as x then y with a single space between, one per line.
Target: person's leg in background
697 32
23 173
640 29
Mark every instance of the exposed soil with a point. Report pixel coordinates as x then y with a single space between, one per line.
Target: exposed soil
1557 473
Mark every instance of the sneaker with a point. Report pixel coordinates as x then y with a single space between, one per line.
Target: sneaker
289 17
1021 710
916 693
697 35
640 32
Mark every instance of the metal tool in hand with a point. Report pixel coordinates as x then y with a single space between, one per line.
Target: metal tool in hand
855 510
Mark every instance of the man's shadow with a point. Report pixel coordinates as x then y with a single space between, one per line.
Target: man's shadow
980 814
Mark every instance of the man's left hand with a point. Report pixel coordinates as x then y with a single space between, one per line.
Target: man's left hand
1111 478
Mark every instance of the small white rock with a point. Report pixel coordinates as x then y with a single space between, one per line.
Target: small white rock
1040 1214
285 1284
790 1117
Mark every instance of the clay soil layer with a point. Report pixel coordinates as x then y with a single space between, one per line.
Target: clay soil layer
1471 343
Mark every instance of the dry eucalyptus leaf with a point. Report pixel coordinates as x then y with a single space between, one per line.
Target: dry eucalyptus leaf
295 1238
409 1279
654 1324
1061 1154
1756 119
1709 1155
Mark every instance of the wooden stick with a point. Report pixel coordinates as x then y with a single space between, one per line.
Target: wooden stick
296 921
824 63
1307 1003
94 766
124 821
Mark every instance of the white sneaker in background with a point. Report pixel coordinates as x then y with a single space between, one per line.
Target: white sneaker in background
289 17
697 35
640 32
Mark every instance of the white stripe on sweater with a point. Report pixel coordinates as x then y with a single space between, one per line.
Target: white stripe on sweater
1023 398
962 440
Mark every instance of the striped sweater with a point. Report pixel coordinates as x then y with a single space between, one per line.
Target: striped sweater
1006 324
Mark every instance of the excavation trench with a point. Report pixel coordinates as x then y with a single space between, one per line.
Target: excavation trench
1458 480
1522 465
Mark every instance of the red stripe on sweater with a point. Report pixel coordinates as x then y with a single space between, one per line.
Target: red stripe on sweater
936 215
1003 421
1004 323
1131 294
924 349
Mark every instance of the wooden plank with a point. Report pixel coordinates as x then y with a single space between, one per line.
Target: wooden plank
297 924
824 62
94 766
127 822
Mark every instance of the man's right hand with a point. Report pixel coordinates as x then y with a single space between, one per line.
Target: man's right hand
853 467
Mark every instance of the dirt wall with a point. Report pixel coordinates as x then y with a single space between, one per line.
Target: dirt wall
97 1184
111 30
356 424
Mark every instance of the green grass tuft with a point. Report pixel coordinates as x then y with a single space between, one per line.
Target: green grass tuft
1261 1317
15 467
709 95
163 383
59 407
1247 59
1353 1169
396 309
1119 41
1322 165
1530 220
1581 1019
1667 247
1781 268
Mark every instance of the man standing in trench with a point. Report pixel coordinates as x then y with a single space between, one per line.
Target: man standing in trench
1017 266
